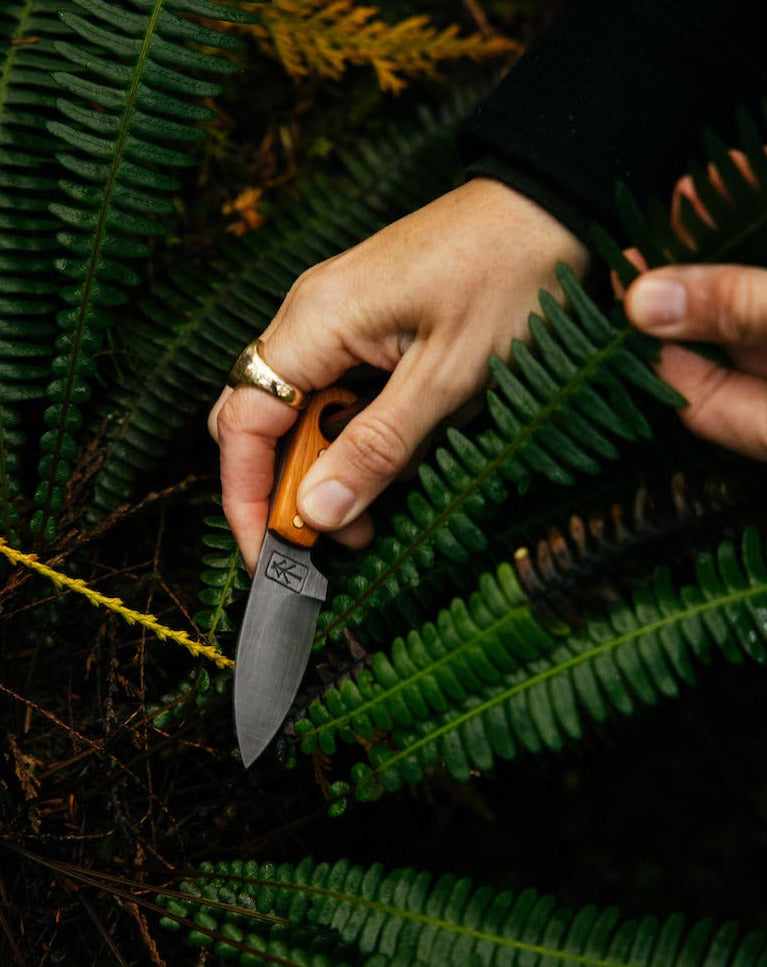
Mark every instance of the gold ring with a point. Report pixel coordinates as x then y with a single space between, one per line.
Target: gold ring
251 369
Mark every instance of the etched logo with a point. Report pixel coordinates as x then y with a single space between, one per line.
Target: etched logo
287 572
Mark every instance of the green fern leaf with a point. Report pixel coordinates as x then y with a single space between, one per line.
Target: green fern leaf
196 323
556 416
118 146
406 918
486 680
471 644
191 694
28 246
224 578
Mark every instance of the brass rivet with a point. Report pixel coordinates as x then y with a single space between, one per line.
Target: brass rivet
297 522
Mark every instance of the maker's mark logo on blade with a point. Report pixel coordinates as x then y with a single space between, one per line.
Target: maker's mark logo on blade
287 572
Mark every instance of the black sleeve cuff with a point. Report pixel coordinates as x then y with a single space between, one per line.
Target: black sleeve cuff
617 90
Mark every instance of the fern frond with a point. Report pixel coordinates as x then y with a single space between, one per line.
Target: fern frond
617 524
224 577
314 37
232 943
735 227
557 415
28 246
572 566
125 123
487 681
196 323
471 644
417 919
191 693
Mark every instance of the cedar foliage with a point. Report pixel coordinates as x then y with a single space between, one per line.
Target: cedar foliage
312 37
126 129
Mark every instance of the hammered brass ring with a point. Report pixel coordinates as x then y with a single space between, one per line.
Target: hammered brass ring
251 369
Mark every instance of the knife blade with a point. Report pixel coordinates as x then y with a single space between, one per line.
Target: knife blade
277 631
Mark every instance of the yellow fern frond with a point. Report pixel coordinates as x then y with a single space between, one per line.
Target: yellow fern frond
325 39
115 605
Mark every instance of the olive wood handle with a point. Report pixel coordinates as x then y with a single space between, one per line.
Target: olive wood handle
306 443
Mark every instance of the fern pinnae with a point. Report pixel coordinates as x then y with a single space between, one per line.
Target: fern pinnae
469 645
521 611
641 652
417 919
28 246
117 155
632 656
619 528
548 419
224 577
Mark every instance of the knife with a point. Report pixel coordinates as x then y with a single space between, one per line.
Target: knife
281 615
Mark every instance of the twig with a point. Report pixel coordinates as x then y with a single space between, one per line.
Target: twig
143 929
88 907
116 605
73 539
6 925
95 746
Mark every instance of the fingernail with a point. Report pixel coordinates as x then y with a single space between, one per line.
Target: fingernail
328 503
658 302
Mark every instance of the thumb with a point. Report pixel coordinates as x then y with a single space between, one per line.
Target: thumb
719 303
375 447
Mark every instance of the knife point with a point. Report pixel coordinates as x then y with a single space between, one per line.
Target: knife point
274 644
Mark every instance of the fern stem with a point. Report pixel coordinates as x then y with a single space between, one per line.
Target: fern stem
98 600
117 158
527 432
649 629
732 243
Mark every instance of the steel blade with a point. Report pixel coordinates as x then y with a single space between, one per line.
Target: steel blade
275 642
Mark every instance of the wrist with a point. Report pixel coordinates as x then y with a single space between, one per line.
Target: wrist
525 229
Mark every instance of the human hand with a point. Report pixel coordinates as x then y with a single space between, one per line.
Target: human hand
428 299
724 304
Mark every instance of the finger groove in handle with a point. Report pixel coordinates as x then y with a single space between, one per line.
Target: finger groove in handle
306 444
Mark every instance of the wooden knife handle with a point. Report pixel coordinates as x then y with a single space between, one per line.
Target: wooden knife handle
305 445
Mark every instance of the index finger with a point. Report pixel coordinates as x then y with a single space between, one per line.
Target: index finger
724 405
250 422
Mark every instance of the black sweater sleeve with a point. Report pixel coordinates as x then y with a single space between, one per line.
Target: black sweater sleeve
618 90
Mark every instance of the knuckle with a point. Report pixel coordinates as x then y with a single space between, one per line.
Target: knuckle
377 447
703 397
213 424
316 289
734 305
304 281
229 418
228 503
462 370
459 385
